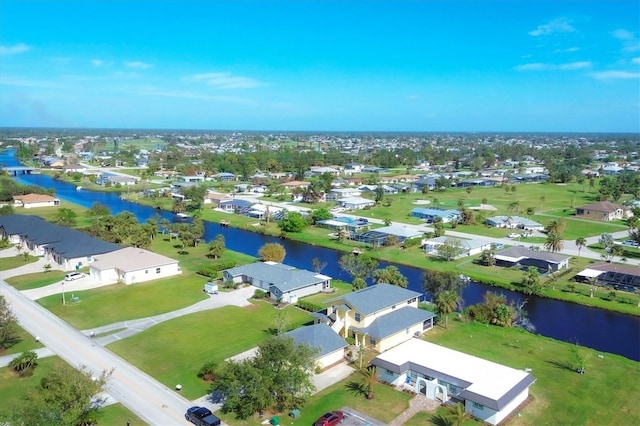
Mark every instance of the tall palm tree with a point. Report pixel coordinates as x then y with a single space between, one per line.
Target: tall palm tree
369 378
581 242
457 414
446 303
554 242
556 226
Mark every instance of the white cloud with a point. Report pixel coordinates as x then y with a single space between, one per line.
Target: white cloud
540 66
226 80
137 65
97 62
635 60
568 50
560 25
15 49
630 42
615 75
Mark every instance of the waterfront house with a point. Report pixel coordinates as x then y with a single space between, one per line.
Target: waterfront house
132 265
29 201
468 247
523 257
329 344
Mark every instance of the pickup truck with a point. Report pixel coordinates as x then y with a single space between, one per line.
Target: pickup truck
201 416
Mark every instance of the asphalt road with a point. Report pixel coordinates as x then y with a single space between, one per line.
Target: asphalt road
152 401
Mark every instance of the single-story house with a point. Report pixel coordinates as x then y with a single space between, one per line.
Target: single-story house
338 193
132 265
343 222
215 198
524 257
380 316
191 178
355 203
329 344
224 177
283 282
29 201
430 214
380 236
74 168
70 249
476 182
489 391
236 205
514 222
299 184
386 189
469 247
602 210
620 277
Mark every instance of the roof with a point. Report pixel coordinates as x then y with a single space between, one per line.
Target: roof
466 243
284 277
601 206
398 320
400 231
34 198
376 298
436 211
131 259
488 383
514 220
69 243
356 200
319 336
517 253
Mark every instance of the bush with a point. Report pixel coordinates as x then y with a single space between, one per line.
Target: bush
259 294
212 270
412 242
309 306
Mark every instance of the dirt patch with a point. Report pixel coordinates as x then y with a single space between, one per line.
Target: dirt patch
488 207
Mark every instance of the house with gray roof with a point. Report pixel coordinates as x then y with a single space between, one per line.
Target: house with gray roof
283 282
523 257
468 247
380 316
514 222
68 248
329 344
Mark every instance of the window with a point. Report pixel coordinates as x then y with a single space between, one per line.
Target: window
356 316
157 270
373 341
478 406
389 372
393 307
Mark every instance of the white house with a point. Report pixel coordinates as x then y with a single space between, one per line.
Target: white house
355 203
468 247
132 265
338 193
490 391
30 201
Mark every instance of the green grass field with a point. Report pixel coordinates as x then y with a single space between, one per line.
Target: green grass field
36 280
174 351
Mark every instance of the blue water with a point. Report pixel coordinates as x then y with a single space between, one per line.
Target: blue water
596 328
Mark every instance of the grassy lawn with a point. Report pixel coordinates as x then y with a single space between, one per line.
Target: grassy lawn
561 396
26 343
12 387
174 351
386 406
35 280
16 261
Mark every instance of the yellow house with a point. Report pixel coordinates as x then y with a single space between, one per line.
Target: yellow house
380 316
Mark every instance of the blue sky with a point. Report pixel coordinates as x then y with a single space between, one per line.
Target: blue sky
501 65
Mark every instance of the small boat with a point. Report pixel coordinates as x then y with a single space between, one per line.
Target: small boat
224 223
78 188
464 278
182 215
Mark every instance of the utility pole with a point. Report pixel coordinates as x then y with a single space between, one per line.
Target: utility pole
63 301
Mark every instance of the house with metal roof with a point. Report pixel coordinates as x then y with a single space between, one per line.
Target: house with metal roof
431 214
283 282
380 316
329 344
514 222
468 247
132 265
355 203
68 248
523 257
489 391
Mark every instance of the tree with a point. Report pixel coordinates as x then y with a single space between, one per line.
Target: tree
368 379
390 275
293 222
457 414
321 214
280 322
580 243
580 357
436 282
47 267
493 310
278 378
451 249
438 228
488 257
65 396
556 226
358 284
97 212
554 242
65 217
9 328
25 363
272 252
446 303
217 246
360 266
530 282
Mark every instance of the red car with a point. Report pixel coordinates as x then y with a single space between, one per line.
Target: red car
330 419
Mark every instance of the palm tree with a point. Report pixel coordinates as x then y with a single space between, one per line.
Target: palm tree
369 378
554 242
446 303
581 242
457 414
556 226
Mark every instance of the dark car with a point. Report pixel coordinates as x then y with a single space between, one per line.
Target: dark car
201 416
330 419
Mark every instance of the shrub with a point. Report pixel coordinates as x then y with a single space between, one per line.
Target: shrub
309 306
259 294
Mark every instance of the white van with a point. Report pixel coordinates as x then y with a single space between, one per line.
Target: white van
73 276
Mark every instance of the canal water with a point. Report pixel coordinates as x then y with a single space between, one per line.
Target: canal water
595 328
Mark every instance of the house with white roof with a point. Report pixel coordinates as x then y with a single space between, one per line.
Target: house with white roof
132 265
355 203
283 282
514 222
469 247
489 391
338 193
380 316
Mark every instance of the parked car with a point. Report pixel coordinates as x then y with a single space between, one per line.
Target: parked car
330 419
201 416
73 276
513 235
630 243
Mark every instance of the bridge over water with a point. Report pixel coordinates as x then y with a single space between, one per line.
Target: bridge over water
19 170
